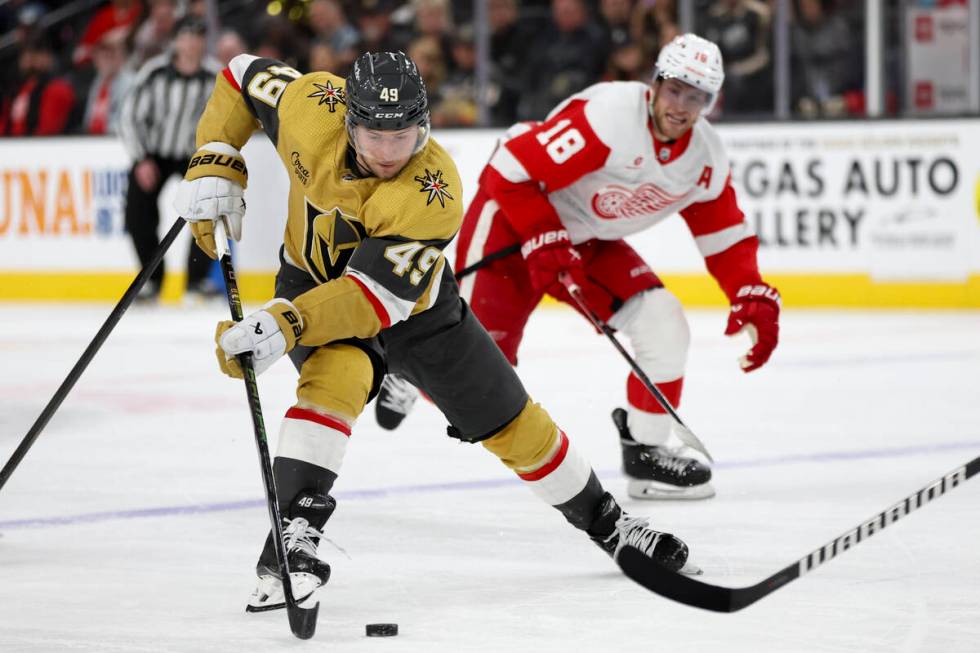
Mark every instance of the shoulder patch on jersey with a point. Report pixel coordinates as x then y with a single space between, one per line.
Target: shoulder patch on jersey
435 186
330 241
329 95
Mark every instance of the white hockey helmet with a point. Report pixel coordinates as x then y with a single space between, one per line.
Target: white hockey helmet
695 61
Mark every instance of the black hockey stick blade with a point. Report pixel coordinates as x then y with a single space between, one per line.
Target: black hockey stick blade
699 594
687 590
302 621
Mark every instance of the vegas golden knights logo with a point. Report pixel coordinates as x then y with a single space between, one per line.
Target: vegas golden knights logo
331 238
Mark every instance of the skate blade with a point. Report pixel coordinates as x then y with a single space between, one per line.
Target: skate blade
268 594
655 491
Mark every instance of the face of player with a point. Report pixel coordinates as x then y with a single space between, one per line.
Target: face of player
676 106
384 153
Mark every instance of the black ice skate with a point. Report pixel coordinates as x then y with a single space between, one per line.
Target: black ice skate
655 472
308 512
613 530
395 400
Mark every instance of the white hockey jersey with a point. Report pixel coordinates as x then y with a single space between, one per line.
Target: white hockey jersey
604 175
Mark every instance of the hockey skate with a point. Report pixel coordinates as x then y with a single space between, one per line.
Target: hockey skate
613 530
395 400
308 513
656 472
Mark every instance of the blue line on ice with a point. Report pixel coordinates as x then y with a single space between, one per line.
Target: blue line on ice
485 484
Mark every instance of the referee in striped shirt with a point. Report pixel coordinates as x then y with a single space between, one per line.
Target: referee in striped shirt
158 126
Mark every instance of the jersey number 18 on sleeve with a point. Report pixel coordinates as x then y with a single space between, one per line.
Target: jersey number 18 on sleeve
561 144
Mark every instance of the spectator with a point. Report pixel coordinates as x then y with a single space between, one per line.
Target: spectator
654 24
160 138
44 100
741 28
824 69
230 44
627 62
119 13
20 17
433 19
323 57
18 20
374 24
153 35
279 39
458 105
197 8
616 15
329 24
567 57
104 96
510 40
426 54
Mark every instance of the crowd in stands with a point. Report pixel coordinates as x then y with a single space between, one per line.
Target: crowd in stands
72 76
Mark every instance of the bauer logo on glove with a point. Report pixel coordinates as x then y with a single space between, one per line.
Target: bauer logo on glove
213 189
756 312
212 158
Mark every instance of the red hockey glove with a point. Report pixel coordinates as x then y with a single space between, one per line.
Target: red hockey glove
756 310
547 255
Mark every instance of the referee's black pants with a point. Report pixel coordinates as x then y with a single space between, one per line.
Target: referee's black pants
143 221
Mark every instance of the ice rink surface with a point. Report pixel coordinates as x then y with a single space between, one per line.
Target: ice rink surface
134 522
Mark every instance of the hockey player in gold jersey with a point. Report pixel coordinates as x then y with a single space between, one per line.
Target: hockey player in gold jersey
363 288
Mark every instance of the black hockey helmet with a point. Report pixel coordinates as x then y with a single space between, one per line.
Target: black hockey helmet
385 91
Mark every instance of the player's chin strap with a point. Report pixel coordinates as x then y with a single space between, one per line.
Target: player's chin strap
683 433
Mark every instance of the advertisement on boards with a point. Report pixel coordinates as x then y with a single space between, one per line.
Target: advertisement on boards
896 201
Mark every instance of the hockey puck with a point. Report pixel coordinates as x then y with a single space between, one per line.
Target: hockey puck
381 630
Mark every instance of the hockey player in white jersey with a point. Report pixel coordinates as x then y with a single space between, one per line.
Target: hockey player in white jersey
560 195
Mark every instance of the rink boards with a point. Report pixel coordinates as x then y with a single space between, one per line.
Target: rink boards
873 214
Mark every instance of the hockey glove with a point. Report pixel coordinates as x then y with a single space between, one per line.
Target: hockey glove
267 334
212 189
756 311
547 255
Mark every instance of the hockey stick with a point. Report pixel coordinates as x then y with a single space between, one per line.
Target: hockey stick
487 260
302 621
683 432
731 599
90 351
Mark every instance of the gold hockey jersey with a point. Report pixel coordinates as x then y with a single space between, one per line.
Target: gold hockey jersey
374 245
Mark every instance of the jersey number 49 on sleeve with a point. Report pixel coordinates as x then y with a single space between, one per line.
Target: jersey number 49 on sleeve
561 144
268 85
403 256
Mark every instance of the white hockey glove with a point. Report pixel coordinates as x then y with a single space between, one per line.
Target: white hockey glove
267 334
213 189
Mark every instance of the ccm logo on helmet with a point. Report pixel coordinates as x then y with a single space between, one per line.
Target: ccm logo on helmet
389 115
